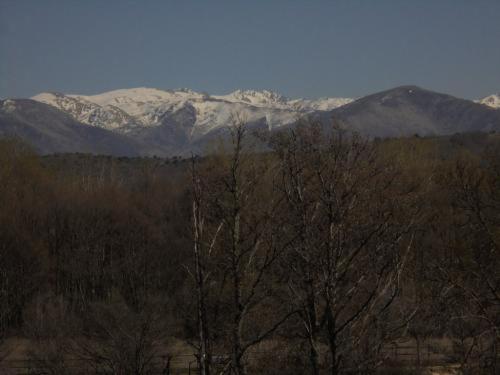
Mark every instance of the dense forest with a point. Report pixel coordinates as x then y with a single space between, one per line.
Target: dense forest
314 256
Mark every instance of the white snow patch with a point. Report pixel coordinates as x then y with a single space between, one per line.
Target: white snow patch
492 101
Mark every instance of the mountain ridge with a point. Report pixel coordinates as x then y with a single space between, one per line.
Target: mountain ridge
144 121
407 110
50 130
127 110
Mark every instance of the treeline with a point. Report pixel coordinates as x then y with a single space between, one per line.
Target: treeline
311 257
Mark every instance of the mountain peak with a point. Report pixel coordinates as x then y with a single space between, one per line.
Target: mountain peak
47 95
408 87
257 97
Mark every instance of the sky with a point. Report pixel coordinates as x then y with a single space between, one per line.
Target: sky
307 48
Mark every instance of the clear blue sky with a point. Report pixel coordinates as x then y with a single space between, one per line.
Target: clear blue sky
307 48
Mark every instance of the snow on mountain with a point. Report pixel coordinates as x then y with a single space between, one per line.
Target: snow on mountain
322 104
50 130
265 98
8 106
178 122
492 101
87 112
140 102
130 109
270 99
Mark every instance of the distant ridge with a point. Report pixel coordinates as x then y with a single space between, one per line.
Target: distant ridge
145 121
408 110
50 130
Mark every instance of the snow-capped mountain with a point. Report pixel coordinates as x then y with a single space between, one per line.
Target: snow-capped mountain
88 112
146 121
264 98
270 99
129 110
492 101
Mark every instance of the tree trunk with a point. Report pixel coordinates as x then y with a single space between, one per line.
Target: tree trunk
332 343
203 351
313 357
237 354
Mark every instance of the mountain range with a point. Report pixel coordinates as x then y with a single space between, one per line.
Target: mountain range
129 110
146 121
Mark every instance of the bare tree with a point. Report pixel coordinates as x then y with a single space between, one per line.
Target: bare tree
115 338
469 269
200 274
350 226
241 203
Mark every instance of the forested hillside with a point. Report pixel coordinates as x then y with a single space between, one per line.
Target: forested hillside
313 257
